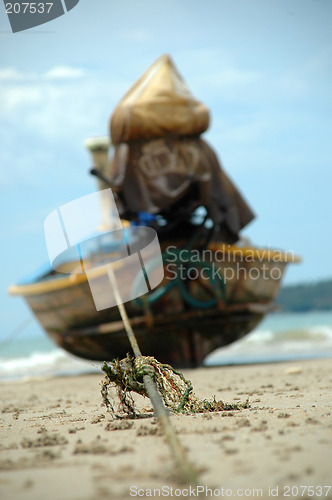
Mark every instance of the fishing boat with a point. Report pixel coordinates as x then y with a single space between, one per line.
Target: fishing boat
216 287
180 327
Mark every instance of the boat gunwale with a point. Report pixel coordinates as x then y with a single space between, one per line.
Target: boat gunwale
74 279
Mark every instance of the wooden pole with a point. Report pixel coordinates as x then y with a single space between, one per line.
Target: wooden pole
187 471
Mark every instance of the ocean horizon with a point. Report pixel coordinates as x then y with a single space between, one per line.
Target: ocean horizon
279 337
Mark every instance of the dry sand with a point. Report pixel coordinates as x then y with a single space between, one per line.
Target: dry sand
58 442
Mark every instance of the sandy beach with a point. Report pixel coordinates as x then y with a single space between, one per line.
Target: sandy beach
59 443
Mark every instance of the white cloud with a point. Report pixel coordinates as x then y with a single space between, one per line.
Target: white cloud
250 87
8 75
136 36
16 98
44 122
64 73
52 104
223 76
13 75
230 77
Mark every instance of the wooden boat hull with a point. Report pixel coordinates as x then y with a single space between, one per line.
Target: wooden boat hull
172 330
168 341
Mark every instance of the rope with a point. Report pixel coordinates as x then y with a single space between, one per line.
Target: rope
217 283
14 333
178 452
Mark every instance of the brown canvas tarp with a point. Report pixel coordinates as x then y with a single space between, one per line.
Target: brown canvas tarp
158 104
154 175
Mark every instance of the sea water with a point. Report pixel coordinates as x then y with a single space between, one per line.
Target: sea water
31 354
279 337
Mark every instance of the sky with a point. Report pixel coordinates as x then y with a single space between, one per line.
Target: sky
264 69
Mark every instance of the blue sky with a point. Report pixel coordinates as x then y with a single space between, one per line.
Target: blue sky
264 68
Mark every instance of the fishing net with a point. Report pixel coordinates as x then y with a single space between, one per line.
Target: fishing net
127 375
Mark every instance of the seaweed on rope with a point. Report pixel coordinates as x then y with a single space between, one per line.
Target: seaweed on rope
127 375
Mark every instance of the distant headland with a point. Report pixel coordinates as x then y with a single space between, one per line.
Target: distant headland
306 297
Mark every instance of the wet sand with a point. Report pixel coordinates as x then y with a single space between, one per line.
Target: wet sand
57 442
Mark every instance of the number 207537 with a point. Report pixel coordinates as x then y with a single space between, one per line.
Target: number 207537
29 7
307 491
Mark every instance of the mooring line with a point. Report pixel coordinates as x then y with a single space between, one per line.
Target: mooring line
188 472
14 333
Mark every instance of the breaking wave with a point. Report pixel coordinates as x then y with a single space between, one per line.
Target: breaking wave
314 335
45 364
283 338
